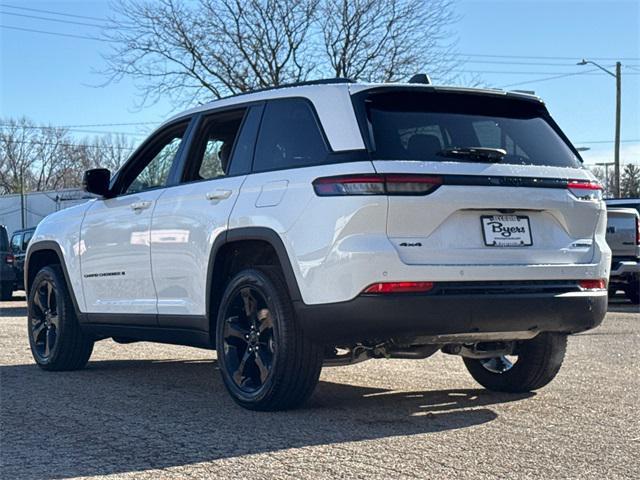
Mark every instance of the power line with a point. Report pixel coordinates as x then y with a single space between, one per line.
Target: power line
59 20
79 130
51 12
58 34
108 124
637 140
548 78
578 57
519 72
86 145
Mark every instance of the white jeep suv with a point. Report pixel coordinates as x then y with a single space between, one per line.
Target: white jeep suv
329 223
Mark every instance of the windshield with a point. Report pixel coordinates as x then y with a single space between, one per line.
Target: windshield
437 126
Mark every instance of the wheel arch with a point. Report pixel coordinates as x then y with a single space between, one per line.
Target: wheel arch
241 248
41 254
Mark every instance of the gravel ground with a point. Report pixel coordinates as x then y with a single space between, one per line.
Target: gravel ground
154 411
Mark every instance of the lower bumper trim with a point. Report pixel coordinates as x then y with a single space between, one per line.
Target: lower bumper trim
381 317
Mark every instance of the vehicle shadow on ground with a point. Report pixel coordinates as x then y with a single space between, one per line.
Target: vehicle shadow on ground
128 416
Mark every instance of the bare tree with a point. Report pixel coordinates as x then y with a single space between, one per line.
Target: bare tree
37 158
387 40
212 49
194 52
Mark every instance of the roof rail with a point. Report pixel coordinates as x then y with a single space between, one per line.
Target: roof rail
321 81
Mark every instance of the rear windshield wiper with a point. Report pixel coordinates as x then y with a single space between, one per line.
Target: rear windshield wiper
474 154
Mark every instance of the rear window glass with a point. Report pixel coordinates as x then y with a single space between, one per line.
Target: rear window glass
421 126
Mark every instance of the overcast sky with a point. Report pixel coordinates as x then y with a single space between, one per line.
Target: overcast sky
510 44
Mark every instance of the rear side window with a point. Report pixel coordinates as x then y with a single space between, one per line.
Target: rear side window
214 146
289 137
421 125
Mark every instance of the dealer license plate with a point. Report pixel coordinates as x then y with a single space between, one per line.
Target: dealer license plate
506 231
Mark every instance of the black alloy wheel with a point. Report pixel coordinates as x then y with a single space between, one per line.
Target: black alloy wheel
266 361
44 322
249 344
56 339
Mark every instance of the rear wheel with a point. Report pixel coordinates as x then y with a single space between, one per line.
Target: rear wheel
534 364
265 359
55 337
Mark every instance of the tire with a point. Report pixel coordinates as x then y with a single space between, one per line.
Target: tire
265 359
538 363
56 340
6 291
633 292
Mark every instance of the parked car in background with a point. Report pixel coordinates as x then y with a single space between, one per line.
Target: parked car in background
623 237
18 247
7 271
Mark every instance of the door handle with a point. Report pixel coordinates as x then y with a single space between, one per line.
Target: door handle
219 194
140 205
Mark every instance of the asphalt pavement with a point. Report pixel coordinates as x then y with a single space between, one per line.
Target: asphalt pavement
153 411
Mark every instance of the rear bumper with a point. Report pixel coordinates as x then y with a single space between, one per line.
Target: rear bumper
381 317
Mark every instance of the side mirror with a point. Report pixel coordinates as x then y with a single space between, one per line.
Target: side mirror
96 181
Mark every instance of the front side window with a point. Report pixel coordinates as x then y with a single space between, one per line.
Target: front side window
151 170
289 137
427 126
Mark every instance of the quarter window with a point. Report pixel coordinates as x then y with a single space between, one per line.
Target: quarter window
289 137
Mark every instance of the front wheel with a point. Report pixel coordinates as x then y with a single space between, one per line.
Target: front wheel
55 337
534 364
265 359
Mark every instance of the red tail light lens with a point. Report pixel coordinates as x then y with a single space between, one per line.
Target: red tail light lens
391 184
585 189
400 287
349 185
9 259
597 284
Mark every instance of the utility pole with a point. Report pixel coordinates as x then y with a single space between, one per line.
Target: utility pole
616 155
22 205
606 166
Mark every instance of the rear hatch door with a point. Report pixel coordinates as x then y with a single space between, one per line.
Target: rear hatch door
503 168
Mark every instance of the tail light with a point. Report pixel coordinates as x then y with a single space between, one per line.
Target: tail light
585 189
637 230
399 287
9 259
390 184
597 284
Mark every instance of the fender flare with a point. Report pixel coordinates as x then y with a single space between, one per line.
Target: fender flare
55 247
254 233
